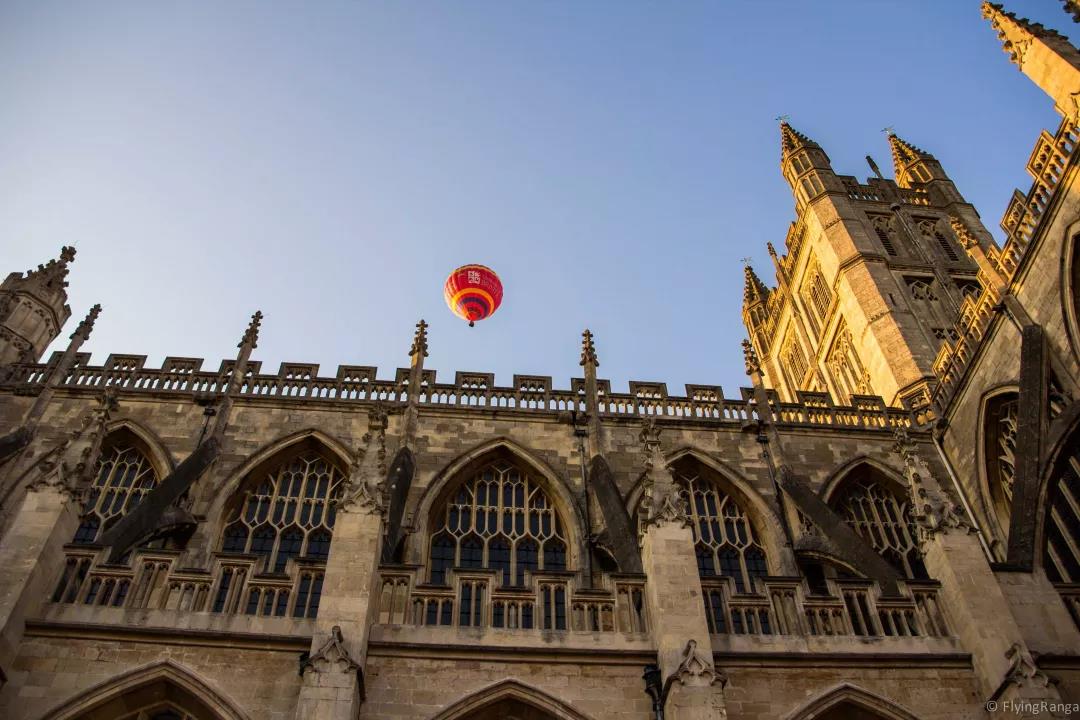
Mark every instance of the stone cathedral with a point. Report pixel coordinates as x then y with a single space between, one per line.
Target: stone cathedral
883 525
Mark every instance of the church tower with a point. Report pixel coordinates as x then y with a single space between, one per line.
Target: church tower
872 281
33 308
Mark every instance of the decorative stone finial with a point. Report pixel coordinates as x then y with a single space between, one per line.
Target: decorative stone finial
750 358
87 325
251 335
588 350
772 250
753 289
332 654
67 254
419 343
697 667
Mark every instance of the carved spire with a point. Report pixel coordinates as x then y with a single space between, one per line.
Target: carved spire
792 140
419 343
1073 8
251 335
750 358
1044 55
913 165
588 350
85 327
971 244
904 153
53 274
754 291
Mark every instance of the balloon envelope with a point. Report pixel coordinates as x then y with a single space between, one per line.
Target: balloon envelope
473 292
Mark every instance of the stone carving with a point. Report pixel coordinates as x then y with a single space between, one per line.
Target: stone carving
750 358
1023 672
697 667
661 501
333 653
588 350
932 510
365 488
419 344
68 466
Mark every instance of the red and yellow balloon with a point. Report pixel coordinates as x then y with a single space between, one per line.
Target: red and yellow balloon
473 292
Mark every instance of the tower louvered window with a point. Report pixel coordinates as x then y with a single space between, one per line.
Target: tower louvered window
499 519
882 518
289 514
931 231
883 230
124 477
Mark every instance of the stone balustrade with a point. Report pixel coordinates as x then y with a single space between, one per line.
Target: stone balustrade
787 606
546 602
470 391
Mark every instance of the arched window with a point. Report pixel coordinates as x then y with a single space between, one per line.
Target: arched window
848 374
500 519
1061 555
124 476
287 511
999 450
724 539
882 517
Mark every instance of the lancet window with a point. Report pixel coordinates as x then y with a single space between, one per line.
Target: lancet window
288 513
501 519
816 290
849 375
794 360
124 476
882 517
724 539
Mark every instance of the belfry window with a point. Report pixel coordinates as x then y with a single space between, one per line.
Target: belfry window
882 517
498 519
724 540
289 513
123 478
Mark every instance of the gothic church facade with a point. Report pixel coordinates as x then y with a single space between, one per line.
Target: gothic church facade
883 525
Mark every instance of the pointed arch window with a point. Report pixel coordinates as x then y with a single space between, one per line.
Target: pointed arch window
816 290
1061 554
124 476
999 449
848 374
882 517
724 539
501 519
287 513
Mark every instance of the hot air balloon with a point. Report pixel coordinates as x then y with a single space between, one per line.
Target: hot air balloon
473 292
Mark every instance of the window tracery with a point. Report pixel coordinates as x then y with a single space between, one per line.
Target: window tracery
921 289
724 539
499 519
123 478
884 230
882 518
290 513
816 290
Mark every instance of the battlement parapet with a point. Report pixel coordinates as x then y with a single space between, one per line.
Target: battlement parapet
470 390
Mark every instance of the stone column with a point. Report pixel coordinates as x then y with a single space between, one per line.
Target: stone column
673 591
333 673
978 610
31 554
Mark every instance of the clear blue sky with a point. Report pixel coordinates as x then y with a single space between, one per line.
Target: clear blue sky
330 163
